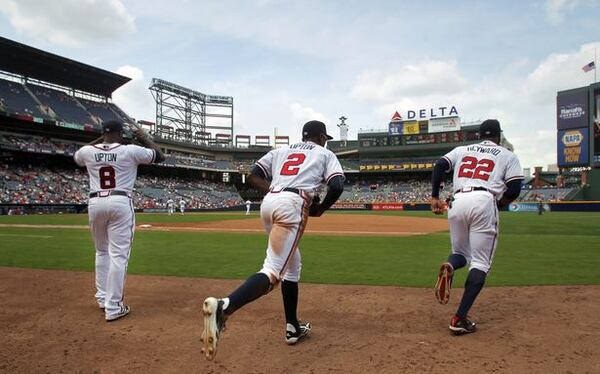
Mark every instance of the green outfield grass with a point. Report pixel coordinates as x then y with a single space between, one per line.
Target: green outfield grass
556 248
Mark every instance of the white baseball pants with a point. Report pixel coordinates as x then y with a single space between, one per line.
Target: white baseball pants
284 215
112 223
473 221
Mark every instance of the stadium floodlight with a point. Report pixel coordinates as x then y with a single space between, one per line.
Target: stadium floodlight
190 116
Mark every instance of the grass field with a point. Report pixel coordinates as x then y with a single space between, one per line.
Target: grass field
556 248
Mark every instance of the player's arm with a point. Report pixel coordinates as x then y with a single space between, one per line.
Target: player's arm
441 168
258 179
145 140
513 190
335 187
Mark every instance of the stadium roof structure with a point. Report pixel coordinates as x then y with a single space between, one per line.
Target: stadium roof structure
34 63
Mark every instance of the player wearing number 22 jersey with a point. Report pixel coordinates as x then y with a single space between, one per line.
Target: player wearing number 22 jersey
290 177
486 176
112 169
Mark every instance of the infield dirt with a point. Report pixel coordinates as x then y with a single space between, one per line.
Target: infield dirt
51 324
334 224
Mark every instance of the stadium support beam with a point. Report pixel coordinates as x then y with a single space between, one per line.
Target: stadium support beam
190 115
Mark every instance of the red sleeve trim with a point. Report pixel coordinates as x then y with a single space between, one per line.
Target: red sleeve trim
263 169
514 178
333 175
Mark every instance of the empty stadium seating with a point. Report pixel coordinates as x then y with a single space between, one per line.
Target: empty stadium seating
17 100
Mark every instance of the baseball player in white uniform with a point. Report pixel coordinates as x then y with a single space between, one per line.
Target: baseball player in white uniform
112 169
171 206
182 206
296 173
248 206
486 176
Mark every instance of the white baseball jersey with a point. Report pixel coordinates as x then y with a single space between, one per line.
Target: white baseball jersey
182 204
306 166
485 164
170 202
113 166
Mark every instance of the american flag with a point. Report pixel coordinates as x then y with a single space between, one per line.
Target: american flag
589 67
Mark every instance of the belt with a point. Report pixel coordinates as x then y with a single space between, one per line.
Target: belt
287 189
109 193
471 189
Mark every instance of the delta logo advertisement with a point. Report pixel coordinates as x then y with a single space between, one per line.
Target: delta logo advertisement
422 114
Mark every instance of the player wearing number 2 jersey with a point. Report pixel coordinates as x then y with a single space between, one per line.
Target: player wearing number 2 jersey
486 176
296 173
112 168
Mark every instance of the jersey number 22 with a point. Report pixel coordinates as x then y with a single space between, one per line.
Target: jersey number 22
476 169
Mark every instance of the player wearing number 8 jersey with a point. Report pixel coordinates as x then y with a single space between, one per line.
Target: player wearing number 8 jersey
112 169
296 173
486 176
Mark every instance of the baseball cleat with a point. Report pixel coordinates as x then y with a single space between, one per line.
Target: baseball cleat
292 336
122 313
214 324
444 283
460 326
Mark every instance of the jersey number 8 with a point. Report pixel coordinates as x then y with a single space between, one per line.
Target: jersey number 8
292 165
107 177
476 169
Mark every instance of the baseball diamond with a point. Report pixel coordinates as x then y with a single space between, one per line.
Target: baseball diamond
203 237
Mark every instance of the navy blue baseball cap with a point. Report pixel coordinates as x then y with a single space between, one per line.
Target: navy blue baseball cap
490 127
112 126
314 128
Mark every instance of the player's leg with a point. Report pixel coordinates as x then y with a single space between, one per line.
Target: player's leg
98 227
460 254
483 238
121 229
295 330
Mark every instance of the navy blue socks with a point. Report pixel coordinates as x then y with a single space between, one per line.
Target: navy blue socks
289 291
254 287
457 261
473 285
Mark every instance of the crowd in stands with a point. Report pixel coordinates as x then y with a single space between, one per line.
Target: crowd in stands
42 185
391 191
37 144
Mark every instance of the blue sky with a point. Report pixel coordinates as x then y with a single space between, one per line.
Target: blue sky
287 62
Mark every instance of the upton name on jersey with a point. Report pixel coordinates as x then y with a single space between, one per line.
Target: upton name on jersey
306 166
113 166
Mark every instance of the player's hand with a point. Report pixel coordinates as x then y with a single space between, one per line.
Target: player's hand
139 133
437 206
315 210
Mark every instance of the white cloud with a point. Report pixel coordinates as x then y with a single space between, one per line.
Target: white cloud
525 104
72 23
409 81
299 115
134 97
555 9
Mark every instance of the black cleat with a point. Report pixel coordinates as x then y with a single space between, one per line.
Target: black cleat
460 326
292 336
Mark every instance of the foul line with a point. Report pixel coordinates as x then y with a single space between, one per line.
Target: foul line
29 236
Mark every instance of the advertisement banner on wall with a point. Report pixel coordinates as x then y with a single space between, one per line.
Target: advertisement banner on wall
387 206
572 110
527 207
411 128
444 124
573 147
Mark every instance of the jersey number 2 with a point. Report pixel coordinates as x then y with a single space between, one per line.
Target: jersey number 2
477 169
292 165
107 177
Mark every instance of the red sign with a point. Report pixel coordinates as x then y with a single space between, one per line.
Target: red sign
387 206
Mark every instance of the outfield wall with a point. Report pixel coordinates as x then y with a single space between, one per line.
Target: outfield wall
563 206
